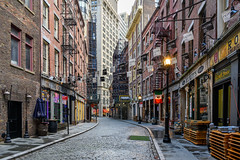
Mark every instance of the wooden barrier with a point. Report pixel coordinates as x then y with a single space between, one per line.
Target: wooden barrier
196 131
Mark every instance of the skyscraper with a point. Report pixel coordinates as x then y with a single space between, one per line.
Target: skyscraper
104 13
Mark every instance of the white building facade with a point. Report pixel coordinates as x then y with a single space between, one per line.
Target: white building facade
104 12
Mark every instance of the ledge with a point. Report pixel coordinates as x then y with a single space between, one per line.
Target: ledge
15 66
31 72
30 10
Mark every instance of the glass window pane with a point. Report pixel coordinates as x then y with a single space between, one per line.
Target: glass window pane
15 32
28 58
14 51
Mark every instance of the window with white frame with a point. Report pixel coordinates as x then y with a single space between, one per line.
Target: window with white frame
45 57
56 27
15 46
45 15
29 4
56 3
29 53
56 63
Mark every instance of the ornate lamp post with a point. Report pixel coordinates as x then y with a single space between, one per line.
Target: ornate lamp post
139 99
166 139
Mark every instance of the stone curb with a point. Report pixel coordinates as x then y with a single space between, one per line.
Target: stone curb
17 155
159 152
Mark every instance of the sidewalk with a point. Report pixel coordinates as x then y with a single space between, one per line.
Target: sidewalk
22 146
178 149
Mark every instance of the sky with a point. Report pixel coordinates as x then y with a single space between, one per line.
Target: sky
125 6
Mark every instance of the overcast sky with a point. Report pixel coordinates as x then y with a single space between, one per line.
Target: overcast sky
125 6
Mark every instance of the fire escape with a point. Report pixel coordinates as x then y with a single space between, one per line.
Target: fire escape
69 47
160 35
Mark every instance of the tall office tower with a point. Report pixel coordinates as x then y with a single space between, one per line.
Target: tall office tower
104 12
85 7
122 31
124 17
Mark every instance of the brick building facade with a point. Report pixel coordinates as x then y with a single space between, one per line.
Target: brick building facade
19 65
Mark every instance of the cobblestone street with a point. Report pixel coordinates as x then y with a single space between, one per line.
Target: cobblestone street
109 140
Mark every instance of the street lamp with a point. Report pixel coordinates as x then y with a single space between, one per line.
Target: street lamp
166 139
139 99
28 98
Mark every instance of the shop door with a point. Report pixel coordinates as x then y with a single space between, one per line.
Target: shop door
15 119
222 105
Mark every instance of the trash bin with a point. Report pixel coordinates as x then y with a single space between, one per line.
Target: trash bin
52 126
154 121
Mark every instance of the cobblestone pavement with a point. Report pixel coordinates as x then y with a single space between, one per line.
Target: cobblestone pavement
108 141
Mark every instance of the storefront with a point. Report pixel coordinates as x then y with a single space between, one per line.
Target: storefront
194 95
224 61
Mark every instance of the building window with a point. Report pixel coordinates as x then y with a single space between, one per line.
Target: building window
45 15
45 57
56 63
183 15
64 67
56 3
56 27
15 46
29 53
175 27
70 69
29 3
191 2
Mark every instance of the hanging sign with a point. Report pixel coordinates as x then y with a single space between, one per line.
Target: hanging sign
226 15
188 36
94 80
132 62
156 52
150 68
129 74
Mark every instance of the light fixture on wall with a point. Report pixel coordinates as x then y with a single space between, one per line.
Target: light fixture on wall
6 94
28 98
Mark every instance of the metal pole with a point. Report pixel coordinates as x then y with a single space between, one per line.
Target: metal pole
166 138
67 120
8 138
139 119
26 135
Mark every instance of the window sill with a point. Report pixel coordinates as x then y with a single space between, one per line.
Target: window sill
46 29
20 1
30 10
16 66
31 72
56 39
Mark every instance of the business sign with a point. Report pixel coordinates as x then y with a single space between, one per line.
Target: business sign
156 52
222 74
201 69
124 98
132 62
188 36
231 45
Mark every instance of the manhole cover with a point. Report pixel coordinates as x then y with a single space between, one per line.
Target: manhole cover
140 138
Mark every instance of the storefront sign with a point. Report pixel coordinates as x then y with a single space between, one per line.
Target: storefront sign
201 69
124 98
222 74
229 47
